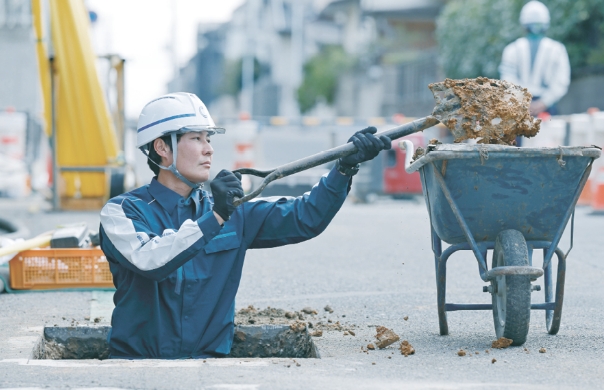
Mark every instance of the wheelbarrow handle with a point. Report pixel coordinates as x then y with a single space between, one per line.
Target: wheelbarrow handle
327 156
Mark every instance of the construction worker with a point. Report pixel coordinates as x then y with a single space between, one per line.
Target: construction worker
536 62
176 253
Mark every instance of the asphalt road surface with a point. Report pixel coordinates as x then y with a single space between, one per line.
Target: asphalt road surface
373 266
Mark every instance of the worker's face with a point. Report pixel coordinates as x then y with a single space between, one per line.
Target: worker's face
195 156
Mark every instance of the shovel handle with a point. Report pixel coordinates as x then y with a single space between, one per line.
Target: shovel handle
327 156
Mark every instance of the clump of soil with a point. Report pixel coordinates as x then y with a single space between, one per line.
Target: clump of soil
461 352
501 343
385 337
542 350
493 111
370 346
493 361
406 348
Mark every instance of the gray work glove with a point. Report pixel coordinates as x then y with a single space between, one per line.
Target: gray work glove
225 186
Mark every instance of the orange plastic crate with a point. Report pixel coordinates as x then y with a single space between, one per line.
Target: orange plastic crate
43 269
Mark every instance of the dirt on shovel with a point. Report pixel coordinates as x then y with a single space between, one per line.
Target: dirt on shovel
492 111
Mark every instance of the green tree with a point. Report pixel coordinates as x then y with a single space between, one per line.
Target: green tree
473 33
321 76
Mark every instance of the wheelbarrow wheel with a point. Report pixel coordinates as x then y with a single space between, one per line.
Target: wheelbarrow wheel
511 294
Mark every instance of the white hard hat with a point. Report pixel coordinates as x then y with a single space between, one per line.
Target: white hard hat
534 12
175 112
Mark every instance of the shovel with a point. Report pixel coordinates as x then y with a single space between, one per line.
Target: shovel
455 107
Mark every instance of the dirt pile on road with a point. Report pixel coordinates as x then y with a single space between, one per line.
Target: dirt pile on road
269 316
297 320
492 111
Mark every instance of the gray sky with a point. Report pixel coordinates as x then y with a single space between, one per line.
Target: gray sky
140 31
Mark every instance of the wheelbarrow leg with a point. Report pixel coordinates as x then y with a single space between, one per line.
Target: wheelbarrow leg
436 248
549 292
553 321
441 288
441 283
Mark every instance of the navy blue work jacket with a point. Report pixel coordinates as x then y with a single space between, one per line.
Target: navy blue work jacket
177 270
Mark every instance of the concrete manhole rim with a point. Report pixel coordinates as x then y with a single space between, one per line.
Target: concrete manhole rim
250 341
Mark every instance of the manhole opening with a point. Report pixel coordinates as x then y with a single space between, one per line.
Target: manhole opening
250 341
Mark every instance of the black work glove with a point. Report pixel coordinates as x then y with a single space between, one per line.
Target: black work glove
368 146
225 186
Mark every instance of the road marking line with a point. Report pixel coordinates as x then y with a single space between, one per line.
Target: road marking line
77 388
136 363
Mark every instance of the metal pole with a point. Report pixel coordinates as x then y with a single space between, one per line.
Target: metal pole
247 66
121 102
297 57
173 50
56 204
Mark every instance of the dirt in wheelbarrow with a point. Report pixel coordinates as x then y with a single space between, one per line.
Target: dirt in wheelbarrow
492 111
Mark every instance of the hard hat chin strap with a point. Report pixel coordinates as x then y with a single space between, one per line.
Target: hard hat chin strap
172 167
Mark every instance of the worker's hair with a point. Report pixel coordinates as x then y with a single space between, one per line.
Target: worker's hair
154 157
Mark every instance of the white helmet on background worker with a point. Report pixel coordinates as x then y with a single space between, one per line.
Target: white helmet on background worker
534 12
173 114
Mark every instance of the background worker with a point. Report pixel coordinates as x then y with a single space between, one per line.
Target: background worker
176 253
536 62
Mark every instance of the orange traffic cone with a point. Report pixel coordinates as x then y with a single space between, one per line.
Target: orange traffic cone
597 201
586 195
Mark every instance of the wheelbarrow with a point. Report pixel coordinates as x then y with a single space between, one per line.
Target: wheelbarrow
509 200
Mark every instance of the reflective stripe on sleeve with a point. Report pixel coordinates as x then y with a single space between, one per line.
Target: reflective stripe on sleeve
152 254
